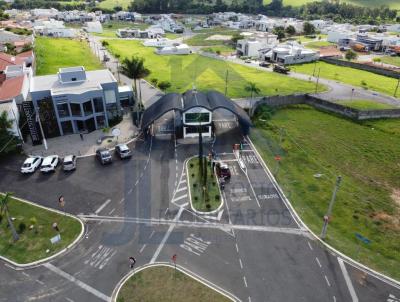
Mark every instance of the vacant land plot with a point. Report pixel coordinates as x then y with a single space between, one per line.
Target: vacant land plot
33 243
365 104
54 53
365 79
391 60
165 284
318 44
109 28
207 73
211 38
315 149
110 4
220 49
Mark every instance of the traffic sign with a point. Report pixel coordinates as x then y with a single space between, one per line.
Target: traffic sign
363 239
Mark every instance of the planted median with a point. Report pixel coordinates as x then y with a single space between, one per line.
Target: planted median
204 191
26 230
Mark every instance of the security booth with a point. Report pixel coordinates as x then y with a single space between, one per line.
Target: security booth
196 120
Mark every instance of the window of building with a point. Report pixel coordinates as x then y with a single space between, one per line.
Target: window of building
63 110
98 104
110 96
76 109
87 108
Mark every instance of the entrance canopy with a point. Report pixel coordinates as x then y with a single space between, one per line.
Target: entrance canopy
211 101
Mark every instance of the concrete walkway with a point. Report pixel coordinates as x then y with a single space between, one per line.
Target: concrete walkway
73 144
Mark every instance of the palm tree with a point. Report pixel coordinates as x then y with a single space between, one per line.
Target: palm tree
252 88
134 68
4 209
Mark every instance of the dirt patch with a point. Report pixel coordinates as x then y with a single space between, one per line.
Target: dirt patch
396 197
219 38
390 222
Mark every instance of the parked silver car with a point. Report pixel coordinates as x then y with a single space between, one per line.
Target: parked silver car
123 151
69 163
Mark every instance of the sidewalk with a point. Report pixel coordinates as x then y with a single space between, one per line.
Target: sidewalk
73 144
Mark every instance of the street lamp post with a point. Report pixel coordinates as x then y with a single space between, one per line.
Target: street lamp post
329 213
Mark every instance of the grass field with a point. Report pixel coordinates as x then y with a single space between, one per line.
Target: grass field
317 44
365 154
351 76
213 199
32 244
208 73
110 27
394 4
165 284
391 60
110 4
365 104
223 49
201 39
54 53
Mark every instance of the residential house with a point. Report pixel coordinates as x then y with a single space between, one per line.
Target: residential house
176 49
152 32
7 37
251 46
44 13
168 24
159 42
291 53
53 28
393 28
75 100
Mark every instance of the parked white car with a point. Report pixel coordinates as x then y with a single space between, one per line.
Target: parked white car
123 151
49 164
31 164
69 163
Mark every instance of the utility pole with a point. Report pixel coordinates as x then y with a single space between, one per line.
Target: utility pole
41 128
226 81
329 213
315 66
316 84
397 87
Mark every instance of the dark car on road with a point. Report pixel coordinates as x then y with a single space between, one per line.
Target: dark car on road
223 171
104 156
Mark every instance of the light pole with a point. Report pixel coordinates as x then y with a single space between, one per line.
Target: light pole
397 87
316 84
329 213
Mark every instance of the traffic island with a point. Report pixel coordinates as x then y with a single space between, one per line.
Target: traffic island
205 196
31 233
164 283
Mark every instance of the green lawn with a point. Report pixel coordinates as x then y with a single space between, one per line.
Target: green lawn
351 76
365 104
394 4
365 154
32 244
317 44
201 39
163 283
391 60
110 28
210 200
110 4
54 53
208 73
223 49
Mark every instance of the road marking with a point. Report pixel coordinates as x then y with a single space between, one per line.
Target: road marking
69 300
327 281
122 200
319 263
141 250
130 191
166 236
309 245
25 274
166 211
334 298
249 299
195 245
40 282
346 276
245 281
237 248
152 233
392 298
179 198
77 282
181 189
103 206
240 262
112 211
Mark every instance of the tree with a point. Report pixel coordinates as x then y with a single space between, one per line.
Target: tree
104 43
8 141
308 28
252 88
350 55
4 209
164 85
134 68
236 37
290 30
154 81
280 32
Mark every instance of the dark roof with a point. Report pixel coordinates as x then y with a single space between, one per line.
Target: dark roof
211 100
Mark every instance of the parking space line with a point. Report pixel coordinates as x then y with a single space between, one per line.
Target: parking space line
143 247
327 281
309 245
245 281
319 263
102 206
240 262
349 284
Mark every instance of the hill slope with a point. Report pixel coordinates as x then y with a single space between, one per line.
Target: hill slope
394 4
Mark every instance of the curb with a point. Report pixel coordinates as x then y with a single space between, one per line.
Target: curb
347 259
187 272
18 266
190 195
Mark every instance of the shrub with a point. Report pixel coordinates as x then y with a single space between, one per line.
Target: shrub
195 198
164 85
21 227
208 206
217 197
191 165
154 81
192 175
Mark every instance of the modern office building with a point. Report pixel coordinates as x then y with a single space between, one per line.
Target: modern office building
75 100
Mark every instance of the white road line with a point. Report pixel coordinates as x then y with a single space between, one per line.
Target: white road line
346 276
9 266
182 181
327 281
319 263
69 300
122 200
103 206
152 233
40 282
77 282
166 236
25 274
179 198
130 191
309 245
334 299
237 248
249 299
141 250
240 262
166 211
181 189
112 211
245 281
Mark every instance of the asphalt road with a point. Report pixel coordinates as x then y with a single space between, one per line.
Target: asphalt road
252 248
